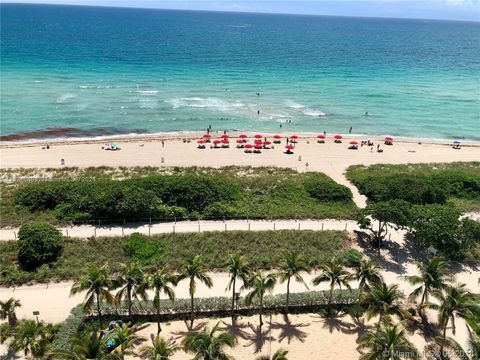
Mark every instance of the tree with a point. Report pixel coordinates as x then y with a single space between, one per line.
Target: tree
125 339
280 354
384 301
455 301
393 213
161 281
389 343
260 284
30 337
194 270
132 283
96 282
334 273
160 349
238 268
38 244
435 274
367 273
7 311
439 226
207 345
292 265
84 346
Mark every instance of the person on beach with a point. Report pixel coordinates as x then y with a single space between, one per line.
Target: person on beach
163 143
258 112
350 130
366 113
324 133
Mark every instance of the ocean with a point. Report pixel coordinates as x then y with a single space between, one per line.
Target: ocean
93 71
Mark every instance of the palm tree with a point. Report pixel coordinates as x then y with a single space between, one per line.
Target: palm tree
455 301
238 268
160 349
161 281
29 337
334 273
96 282
86 346
125 339
194 270
132 285
367 273
292 265
7 311
259 284
383 301
472 352
280 354
433 275
207 345
387 343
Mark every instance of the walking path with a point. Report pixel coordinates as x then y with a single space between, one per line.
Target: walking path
85 231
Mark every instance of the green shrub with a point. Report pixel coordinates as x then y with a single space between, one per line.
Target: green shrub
145 250
326 190
351 257
38 244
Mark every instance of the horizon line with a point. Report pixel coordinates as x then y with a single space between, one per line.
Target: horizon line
241 12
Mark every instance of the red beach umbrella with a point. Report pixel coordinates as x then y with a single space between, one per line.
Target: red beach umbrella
294 137
258 146
388 138
225 141
258 141
338 137
258 136
267 143
277 137
243 136
321 136
289 147
207 136
248 146
225 136
353 142
201 141
240 141
216 142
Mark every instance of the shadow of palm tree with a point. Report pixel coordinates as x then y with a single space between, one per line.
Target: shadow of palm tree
236 329
10 355
257 337
289 330
199 326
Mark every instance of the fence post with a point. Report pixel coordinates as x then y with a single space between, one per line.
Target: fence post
199 226
274 226
346 225
322 226
225 226
175 219
149 229
248 226
299 226
98 222
123 234
15 235
95 232
66 230
174 229
124 222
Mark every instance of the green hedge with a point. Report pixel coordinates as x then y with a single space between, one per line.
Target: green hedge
213 194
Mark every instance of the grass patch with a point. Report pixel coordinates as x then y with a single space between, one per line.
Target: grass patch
458 183
263 249
115 194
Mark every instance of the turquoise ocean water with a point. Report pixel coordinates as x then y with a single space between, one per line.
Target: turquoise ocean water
85 71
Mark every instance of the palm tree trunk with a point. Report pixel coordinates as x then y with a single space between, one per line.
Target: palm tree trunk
330 298
129 299
159 327
98 309
380 318
288 295
191 311
261 310
233 297
444 336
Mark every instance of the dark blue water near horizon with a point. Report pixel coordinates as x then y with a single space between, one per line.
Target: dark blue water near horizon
144 70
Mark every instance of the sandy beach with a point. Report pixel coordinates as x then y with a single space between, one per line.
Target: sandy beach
331 158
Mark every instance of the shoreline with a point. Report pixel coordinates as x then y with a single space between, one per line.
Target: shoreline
194 135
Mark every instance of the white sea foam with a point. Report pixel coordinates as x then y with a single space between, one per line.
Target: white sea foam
313 112
147 92
148 104
65 97
294 105
209 103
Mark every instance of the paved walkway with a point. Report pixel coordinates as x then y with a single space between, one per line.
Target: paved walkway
84 231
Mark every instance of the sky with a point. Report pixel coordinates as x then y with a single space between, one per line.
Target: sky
468 10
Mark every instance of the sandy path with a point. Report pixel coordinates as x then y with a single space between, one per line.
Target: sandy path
85 231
